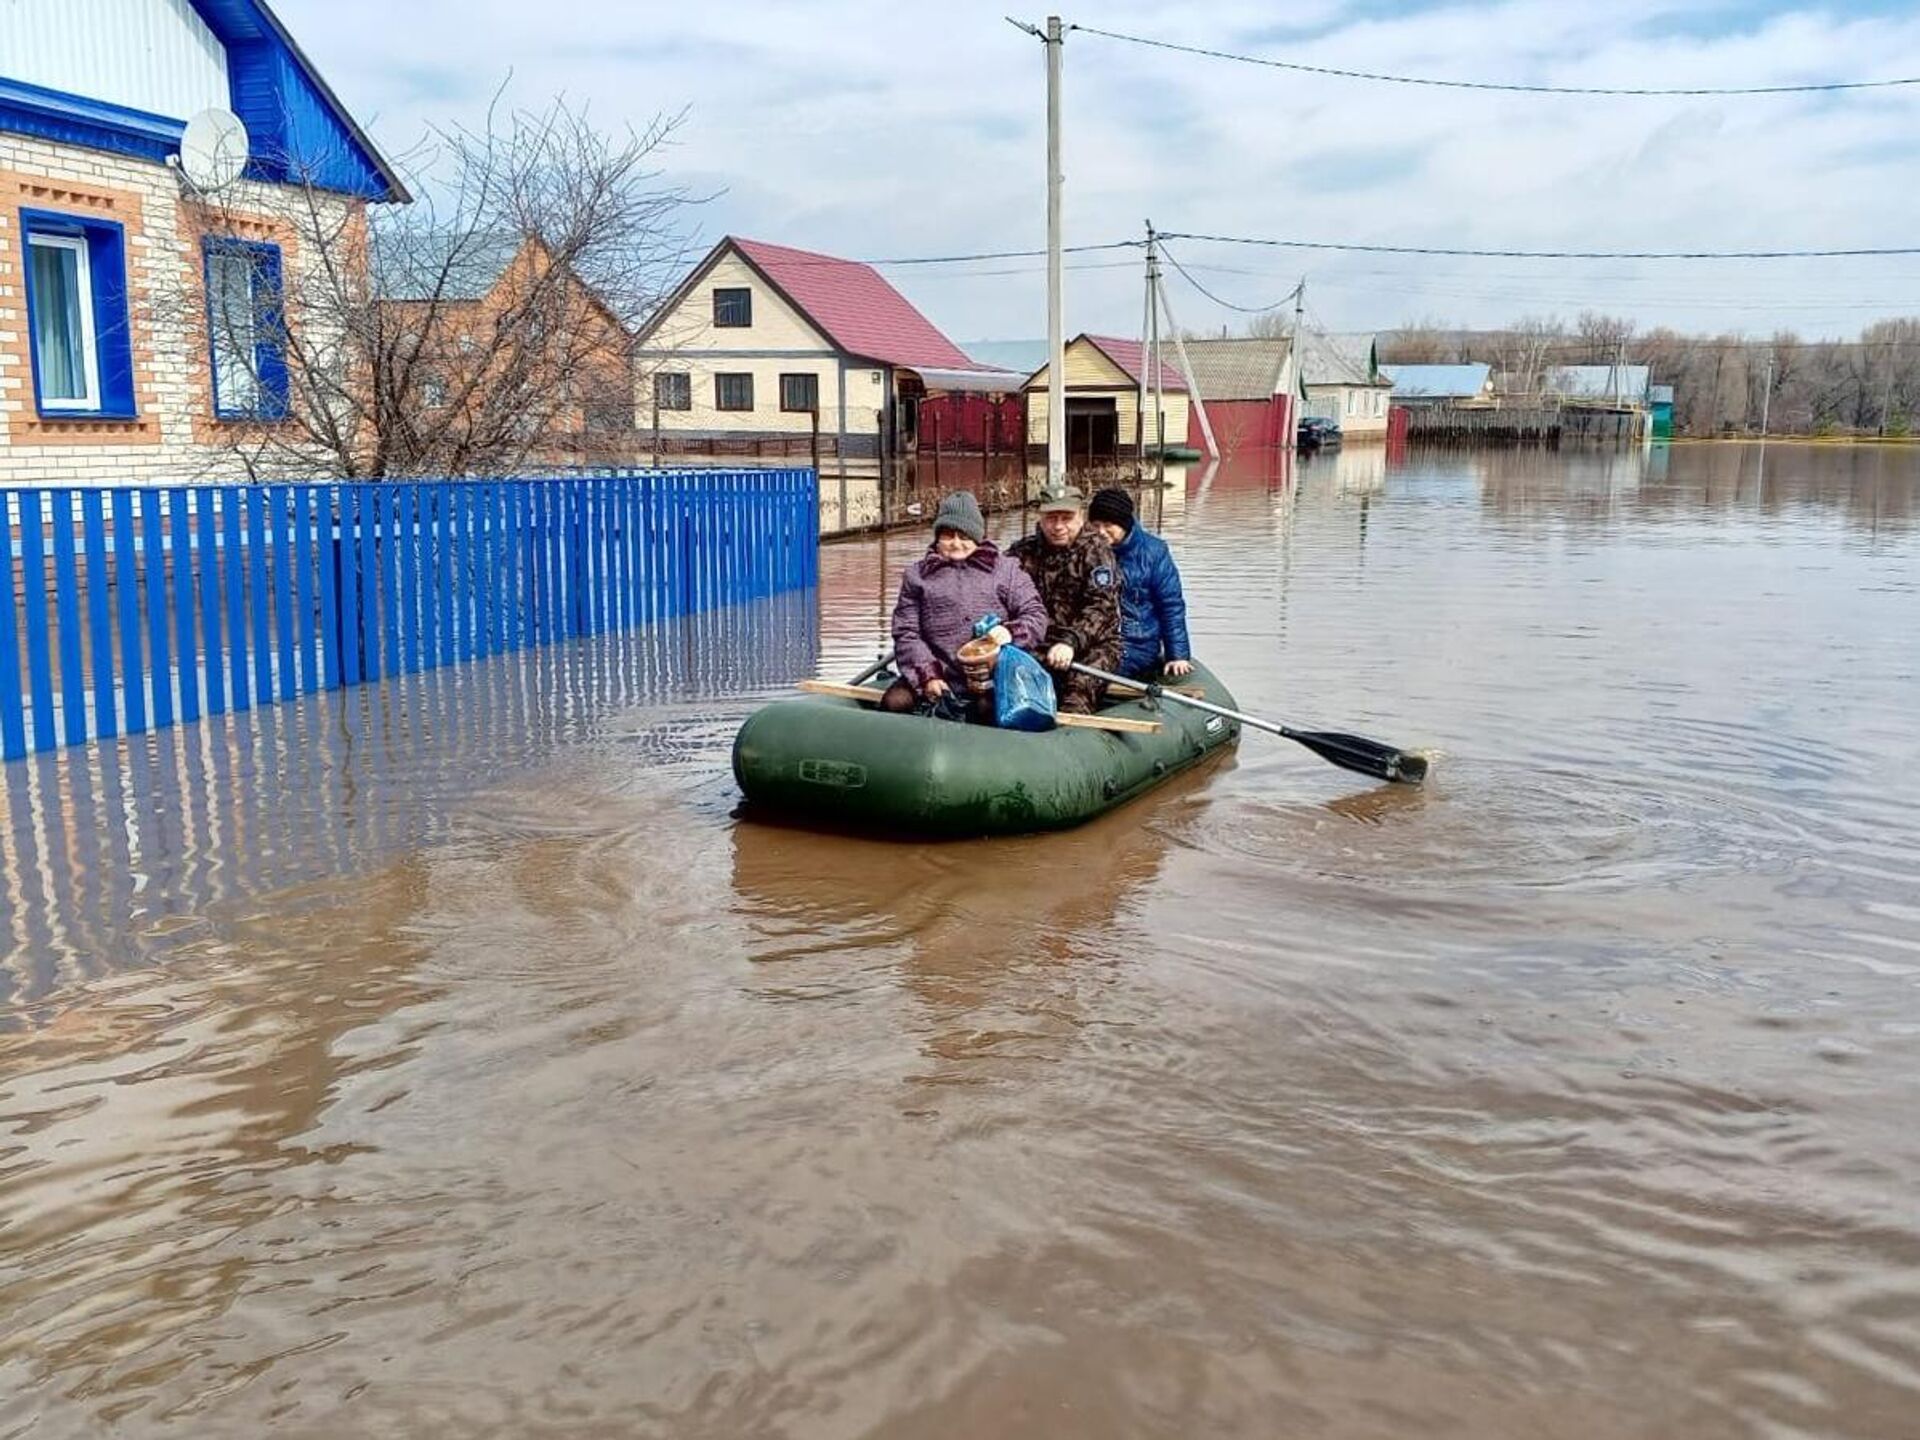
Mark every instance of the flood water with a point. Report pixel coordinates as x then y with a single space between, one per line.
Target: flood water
448 1058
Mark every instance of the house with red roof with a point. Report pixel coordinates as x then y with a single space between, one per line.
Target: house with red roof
1103 388
761 339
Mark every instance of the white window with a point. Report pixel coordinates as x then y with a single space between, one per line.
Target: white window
234 316
64 341
246 329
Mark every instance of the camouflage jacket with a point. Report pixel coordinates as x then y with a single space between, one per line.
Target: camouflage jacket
1080 586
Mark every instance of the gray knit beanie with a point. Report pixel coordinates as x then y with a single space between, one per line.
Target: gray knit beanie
960 511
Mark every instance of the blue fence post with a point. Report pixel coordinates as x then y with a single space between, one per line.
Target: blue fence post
369 624
257 595
33 576
522 565
159 655
13 717
300 557
99 613
126 591
207 559
448 645
346 549
487 570
280 509
66 603
559 578
387 504
407 505
232 558
183 602
328 508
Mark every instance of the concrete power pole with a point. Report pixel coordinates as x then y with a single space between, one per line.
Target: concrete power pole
1056 298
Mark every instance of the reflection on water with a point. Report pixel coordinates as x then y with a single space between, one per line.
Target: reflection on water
449 1060
112 854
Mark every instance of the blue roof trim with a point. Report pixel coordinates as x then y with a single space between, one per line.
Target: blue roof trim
78 120
298 128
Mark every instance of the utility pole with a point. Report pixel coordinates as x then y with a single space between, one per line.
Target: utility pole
1054 38
1299 356
1152 365
1056 299
1140 391
1197 405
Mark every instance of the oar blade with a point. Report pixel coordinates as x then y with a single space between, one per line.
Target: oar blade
1363 756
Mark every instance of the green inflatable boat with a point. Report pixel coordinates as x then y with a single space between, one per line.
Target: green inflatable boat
842 763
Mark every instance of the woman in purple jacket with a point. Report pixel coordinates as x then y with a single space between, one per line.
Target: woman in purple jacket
962 577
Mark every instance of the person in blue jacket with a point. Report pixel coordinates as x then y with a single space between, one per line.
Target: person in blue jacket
1153 609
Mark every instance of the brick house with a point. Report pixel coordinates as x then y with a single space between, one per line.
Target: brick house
460 293
137 331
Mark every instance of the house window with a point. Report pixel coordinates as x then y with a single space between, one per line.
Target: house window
79 339
433 393
733 392
244 329
733 309
673 391
800 392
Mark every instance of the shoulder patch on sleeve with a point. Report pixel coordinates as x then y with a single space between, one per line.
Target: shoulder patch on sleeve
1103 575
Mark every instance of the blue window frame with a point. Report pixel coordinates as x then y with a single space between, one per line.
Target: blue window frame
246 335
79 339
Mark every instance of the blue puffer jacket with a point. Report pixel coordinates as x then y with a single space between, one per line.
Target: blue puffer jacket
1153 610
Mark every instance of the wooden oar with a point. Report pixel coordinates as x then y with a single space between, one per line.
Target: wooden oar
1349 752
868 695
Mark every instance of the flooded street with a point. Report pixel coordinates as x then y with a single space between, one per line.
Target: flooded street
447 1057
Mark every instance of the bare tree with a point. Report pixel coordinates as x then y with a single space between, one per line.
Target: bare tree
1526 350
484 330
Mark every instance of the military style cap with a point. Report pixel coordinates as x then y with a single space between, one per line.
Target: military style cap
1066 498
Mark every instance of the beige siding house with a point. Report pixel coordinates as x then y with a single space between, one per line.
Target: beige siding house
760 338
1103 375
1341 378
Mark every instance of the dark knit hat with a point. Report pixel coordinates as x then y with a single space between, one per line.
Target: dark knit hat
960 511
1114 506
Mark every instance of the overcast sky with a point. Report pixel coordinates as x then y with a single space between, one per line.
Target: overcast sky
880 130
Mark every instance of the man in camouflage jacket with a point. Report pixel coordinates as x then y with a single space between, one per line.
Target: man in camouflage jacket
1079 581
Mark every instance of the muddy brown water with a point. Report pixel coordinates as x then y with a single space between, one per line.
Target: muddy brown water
450 1060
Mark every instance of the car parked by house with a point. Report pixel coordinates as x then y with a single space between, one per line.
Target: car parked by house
1317 432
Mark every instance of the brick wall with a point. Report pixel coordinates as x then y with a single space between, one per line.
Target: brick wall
174 436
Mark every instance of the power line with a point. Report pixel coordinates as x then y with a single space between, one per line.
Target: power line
984 255
1357 248
1641 91
1286 299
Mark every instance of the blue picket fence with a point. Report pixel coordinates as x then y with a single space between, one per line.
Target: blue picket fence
133 608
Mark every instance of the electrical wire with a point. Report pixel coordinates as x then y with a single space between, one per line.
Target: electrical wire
1228 304
804 260
1863 252
1515 88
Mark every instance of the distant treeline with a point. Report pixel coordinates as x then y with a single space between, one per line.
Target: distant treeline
1865 386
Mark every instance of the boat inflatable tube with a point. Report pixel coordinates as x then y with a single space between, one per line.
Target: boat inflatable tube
842 763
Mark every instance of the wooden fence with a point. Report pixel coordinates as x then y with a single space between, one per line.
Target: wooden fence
127 609
1548 425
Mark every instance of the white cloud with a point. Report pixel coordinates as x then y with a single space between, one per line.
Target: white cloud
874 129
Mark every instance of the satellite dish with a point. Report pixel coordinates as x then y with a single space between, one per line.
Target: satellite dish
213 151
